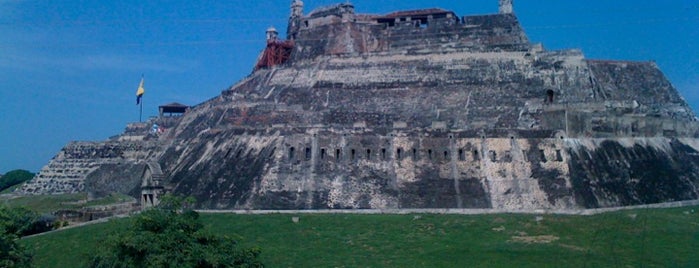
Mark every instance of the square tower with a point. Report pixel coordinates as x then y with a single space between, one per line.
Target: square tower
506 7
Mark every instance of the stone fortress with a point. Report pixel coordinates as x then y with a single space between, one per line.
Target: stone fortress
412 109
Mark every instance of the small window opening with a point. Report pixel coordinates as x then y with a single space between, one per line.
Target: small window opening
368 154
414 154
429 154
308 153
322 153
507 157
476 155
493 156
291 153
338 154
399 153
383 153
542 156
559 157
549 96
352 154
305 23
446 155
462 157
423 23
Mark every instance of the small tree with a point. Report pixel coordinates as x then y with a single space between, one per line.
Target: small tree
22 221
12 254
171 235
14 222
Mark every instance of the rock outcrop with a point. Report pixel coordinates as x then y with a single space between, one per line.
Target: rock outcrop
417 109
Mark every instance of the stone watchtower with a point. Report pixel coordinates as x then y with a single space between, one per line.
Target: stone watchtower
506 7
294 19
272 34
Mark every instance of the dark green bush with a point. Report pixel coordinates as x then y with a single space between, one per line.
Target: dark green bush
11 253
169 237
16 222
14 177
23 222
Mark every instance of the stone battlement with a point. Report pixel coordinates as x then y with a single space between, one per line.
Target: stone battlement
337 31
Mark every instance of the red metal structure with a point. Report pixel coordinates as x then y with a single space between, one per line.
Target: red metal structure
277 52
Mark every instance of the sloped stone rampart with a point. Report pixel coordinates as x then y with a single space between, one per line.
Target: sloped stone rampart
67 172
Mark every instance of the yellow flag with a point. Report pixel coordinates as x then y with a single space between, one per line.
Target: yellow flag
140 91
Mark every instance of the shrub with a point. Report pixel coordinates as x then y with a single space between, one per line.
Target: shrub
11 253
166 236
15 222
23 222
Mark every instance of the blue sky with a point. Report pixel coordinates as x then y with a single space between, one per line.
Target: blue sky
69 69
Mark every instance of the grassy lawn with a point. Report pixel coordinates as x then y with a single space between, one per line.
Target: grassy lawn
47 203
51 203
636 238
11 189
70 247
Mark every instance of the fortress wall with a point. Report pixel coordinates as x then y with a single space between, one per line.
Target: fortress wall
500 32
489 90
220 169
68 170
642 82
477 33
473 87
116 177
623 172
621 120
362 169
323 169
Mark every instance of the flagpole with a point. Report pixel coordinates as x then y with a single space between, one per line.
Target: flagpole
139 98
140 113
